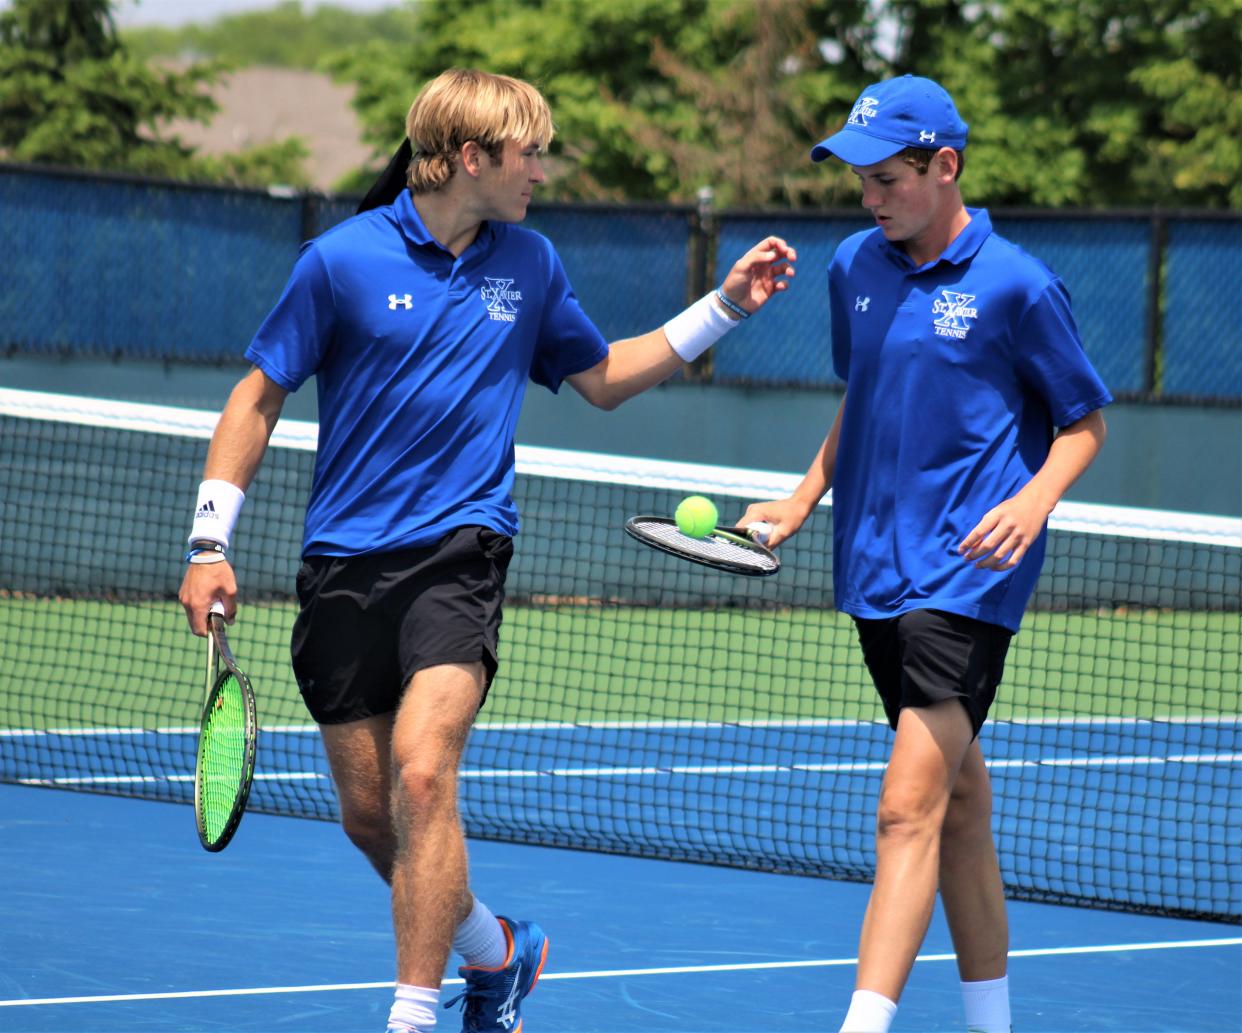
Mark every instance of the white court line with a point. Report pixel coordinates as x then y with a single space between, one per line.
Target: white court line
677 769
553 726
757 966
87 780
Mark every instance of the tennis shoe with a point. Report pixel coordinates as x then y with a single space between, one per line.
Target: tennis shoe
492 999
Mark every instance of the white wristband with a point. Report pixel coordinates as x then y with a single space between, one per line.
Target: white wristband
219 502
693 331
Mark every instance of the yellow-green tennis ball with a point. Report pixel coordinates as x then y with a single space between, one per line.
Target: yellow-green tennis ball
696 516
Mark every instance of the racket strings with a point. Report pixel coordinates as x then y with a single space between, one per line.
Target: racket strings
224 755
714 547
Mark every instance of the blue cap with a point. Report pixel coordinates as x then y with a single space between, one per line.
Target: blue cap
892 115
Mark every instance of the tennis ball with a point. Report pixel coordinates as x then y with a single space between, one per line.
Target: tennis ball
696 516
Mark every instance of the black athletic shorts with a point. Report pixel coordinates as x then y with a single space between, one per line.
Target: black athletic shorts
926 656
368 623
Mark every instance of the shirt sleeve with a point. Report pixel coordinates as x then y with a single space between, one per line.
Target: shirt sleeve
290 345
1051 360
840 324
568 341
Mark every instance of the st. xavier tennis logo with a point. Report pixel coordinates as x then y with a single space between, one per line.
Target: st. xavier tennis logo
953 309
500 300
867 107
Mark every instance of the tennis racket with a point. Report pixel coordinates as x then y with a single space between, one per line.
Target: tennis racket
735 550
227 738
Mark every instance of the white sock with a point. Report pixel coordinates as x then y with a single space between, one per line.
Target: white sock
987 1006
414 1010
480 940
869 1013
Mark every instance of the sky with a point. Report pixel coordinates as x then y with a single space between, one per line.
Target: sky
179 12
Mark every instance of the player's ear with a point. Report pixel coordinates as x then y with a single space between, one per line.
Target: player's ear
472 158
945 164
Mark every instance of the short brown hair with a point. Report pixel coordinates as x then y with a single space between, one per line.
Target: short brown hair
919 159
463 104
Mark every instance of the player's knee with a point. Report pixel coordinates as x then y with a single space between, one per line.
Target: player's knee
907 814
369 827
422 788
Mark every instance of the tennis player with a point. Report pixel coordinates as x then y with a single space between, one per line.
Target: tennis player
421 320
970 408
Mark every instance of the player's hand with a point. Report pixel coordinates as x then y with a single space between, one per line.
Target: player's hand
1006 532
202 585
763 271
785 517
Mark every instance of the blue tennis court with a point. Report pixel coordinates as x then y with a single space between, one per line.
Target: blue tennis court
645 708
582 783
114 919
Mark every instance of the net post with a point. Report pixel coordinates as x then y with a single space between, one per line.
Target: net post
701 267
1153 351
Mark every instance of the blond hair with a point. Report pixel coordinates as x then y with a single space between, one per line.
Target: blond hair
464 104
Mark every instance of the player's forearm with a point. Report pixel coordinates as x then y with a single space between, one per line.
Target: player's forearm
633 365
1072 451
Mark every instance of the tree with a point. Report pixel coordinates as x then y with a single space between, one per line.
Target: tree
651 97
1071 102
744 126
71 95
1147 92
286 35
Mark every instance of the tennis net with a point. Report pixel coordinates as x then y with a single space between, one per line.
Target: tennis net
644 705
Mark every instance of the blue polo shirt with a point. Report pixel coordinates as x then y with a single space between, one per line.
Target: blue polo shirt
958 371
421 361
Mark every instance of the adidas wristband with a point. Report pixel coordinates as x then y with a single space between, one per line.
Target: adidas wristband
219 502
693 331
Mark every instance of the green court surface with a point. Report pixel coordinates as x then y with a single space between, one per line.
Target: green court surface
89 664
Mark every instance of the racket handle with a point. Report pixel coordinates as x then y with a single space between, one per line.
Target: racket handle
760 530
217 607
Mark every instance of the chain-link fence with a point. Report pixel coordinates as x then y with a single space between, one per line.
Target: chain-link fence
125 267
113 266
1201 350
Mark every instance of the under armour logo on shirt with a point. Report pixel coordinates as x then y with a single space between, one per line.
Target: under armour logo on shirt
861 303
405 301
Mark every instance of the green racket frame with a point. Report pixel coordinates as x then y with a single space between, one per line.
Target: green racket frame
228 688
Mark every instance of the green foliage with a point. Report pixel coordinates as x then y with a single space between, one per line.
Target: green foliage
627 82
286 35
280 163
1071 102
1122 102
71 94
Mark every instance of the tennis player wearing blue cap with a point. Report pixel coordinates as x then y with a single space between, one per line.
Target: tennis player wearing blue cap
970 409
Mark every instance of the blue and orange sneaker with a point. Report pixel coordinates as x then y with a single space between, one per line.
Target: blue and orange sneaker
492 1000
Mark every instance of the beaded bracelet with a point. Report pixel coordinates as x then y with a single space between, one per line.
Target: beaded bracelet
730 304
